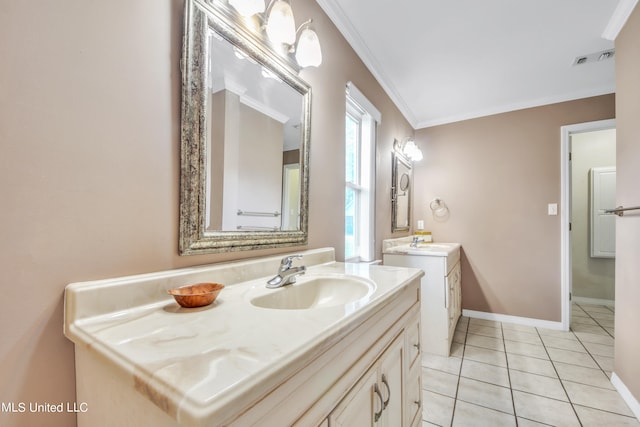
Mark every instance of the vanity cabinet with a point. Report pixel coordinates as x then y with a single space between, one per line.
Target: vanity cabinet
377 398
441 292
238 364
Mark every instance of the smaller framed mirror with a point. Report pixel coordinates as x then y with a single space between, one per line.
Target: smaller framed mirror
400 192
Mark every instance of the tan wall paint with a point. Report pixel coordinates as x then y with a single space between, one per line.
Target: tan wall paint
591 277
627 348
89 166
497 174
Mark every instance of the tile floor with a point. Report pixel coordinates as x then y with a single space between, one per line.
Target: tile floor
501 374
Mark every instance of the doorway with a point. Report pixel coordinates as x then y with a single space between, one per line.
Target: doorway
588 257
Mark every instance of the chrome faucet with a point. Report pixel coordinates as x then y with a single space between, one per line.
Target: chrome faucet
415 241
286 273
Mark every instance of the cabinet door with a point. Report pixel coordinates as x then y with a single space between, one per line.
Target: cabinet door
391 384
360 405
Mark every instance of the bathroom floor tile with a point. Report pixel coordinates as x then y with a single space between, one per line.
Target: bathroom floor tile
484 322
544 410
580 374
525 349
467 414
485 355
523 422
485 342
595 418
437 409
605 363
441 363
457 350
485 330
521 328
588 328
599 349
571 357
597 398
503 374
537 384
459 337
439 382
595 338
487 395
484 372
564 344
567 335
522 336
531 365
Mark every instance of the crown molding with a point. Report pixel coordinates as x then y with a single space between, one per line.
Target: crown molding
619 18
339 18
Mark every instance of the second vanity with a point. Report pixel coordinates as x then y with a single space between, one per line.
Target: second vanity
256 356
441 287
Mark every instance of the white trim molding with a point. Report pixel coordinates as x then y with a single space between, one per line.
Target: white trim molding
618 19
526 321
628 398
565 210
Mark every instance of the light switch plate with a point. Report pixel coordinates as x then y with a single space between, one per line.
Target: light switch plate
552 209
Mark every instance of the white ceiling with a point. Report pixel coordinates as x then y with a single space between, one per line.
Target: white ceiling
443 61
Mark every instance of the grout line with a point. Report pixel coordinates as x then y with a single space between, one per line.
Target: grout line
506 357
559 379
464 348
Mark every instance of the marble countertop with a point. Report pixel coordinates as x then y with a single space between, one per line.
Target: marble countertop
193 363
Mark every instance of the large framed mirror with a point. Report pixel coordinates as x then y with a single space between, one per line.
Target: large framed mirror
400 192
246 118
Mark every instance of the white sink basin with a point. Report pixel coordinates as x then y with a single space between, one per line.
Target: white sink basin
318 292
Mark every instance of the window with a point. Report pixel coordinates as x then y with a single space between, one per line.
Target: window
360 142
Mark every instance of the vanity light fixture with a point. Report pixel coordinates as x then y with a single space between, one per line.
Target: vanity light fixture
281 29
409 149
248 7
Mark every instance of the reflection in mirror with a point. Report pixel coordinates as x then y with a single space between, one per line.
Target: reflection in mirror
245 138
253 142
400 192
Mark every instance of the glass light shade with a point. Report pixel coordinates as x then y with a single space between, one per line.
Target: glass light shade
412 151
281 27
248 7
308 53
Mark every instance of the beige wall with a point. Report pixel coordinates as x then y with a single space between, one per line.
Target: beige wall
627 351
591 277
497 174
89 166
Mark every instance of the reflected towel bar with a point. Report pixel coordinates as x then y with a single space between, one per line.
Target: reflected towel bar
621 210
247 213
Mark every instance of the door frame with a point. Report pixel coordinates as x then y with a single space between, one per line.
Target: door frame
565 210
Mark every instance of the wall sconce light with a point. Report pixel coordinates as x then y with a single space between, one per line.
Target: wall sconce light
409 149
281 29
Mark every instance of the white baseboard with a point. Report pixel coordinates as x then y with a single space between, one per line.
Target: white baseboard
629 399
593 301
526 321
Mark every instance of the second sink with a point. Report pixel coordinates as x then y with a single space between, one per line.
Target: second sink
317 292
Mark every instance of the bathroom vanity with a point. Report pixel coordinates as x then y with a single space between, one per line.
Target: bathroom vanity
440 287
340 347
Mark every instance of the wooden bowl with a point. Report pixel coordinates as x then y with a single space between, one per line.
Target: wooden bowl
197 295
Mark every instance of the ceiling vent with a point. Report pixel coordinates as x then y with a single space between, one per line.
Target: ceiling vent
594 57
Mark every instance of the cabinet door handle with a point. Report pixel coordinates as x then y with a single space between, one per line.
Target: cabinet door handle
377 415
417 346
386 384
